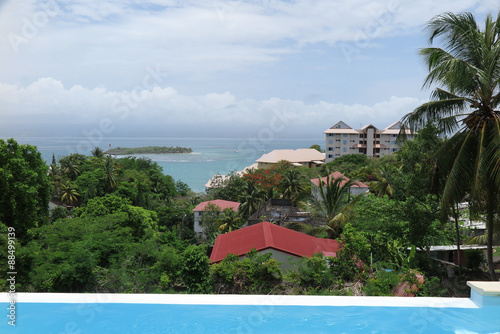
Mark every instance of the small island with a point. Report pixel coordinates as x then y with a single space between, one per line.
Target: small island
148 150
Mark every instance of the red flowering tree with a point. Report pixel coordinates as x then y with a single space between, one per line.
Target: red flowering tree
267 179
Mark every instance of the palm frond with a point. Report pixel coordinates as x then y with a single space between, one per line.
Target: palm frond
440 112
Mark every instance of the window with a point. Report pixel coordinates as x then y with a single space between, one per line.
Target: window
345 142
331 135
378 136
360 150
330 142
344 149
330 156
331 149
361 136
377 142
345 134
393 143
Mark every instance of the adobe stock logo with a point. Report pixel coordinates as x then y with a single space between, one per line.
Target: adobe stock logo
31 27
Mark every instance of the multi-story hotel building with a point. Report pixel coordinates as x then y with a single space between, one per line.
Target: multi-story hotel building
341 140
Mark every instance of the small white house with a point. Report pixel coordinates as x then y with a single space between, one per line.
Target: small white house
203 206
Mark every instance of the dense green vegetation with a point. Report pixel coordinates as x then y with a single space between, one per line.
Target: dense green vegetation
148 150
127 227
122 225
467 72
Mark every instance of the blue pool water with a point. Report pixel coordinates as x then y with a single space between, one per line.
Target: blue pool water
60 318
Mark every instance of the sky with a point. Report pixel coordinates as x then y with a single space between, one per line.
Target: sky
212 68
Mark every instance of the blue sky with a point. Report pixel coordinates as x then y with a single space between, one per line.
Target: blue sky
212 68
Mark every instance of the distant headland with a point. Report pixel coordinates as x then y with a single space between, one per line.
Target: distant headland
148 150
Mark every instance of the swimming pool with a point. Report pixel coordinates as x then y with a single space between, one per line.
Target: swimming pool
121 313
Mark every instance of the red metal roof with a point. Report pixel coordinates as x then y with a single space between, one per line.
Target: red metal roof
403 289
222 204
266 235
338 175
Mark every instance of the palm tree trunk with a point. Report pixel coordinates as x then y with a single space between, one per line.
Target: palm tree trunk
459 256
489 229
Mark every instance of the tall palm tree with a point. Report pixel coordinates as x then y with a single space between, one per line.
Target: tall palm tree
97 152
251 199
467 69
382 184
332 203
55 177
229 220
111 174
70 168
69 193
293 184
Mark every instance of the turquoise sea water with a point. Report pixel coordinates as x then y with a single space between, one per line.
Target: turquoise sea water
159 318
211 155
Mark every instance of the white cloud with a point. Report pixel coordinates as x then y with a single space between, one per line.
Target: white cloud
217 114
232 64
108 38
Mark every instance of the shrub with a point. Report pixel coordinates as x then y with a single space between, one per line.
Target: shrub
474 259
382 283
195 270
255 273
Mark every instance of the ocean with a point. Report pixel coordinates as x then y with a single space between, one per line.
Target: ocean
210 155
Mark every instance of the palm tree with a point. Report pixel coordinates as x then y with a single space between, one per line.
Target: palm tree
70 195
465 106
251 199
229 220
332 203
293 184
382 185
70 168
97 152
111 174
55 177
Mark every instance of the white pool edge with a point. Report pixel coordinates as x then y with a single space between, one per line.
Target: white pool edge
482 294
277 300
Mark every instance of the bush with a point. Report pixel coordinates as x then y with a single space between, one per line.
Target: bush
255 273
382 283
314 273
195 270
474 259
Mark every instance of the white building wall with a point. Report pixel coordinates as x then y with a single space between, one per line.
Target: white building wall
338 143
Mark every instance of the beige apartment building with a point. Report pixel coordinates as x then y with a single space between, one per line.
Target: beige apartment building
341 140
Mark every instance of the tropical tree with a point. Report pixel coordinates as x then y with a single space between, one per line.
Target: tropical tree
465 105
382 185
333 204
97 152
293 184
111 178
229 220
70 168
24 187
251 199
69 193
